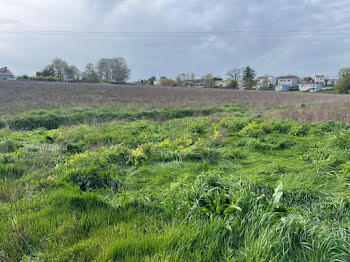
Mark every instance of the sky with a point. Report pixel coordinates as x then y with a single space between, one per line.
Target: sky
277 37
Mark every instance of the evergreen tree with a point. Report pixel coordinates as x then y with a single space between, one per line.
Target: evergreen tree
248 73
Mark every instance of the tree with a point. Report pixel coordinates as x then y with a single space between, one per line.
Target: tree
59 66
266 85
344 72
248 73
151 80
113 69
233 84
167 82
208 81
47 71
76 72
343 84
308 79
90 74
185 79
249 84
235 73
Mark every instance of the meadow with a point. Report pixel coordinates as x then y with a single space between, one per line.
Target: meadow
119 173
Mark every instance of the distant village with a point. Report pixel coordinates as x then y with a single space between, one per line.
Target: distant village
266 82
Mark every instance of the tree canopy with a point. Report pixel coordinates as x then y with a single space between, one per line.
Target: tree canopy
113 69
249 73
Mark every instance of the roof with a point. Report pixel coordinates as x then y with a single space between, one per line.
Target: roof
226 81
5 73
286 77
319 75
264 77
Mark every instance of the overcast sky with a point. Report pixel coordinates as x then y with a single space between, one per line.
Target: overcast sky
24 50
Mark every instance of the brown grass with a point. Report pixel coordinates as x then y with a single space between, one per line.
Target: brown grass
17 96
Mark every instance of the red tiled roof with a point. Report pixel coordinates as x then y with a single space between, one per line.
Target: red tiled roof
7 73
285 77
264 77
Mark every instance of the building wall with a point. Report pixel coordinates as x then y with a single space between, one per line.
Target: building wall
330 81
222 83
7 77
270 80
309 87
282 88
319 79
292 82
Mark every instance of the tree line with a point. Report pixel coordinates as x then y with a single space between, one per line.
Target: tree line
113 70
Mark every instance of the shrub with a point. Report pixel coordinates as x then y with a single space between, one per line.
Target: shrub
343 85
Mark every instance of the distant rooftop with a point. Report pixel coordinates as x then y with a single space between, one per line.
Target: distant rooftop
5 72
286 77
264 77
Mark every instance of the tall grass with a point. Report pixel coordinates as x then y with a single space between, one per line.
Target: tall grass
226 185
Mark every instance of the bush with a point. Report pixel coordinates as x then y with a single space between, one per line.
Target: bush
38 78
343 85
233 85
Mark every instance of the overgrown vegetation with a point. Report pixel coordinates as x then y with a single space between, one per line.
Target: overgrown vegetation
172 185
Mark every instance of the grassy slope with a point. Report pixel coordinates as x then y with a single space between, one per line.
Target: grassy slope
223 186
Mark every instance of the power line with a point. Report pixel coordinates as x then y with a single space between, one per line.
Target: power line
182 34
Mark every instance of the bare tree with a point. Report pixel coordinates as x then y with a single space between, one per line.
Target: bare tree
235 73
209 81
113 69
185 79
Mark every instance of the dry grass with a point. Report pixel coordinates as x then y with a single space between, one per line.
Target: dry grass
336 111
17 96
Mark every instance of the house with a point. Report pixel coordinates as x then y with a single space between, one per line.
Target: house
330 81
222 83
320 79
311 87
198 82
6 74
290 80
269 80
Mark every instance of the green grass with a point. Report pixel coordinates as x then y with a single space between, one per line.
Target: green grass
215 184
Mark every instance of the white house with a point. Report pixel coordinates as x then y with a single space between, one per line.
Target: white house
269 80
222 83
320 79
310 87
291 81
330 81
6 74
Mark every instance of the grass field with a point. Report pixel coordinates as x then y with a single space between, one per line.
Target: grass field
192 176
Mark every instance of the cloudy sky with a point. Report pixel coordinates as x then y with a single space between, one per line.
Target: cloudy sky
303 37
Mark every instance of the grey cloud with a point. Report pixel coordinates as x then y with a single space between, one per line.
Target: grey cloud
213 53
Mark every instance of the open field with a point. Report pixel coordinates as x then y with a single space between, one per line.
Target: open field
19 96
119 180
